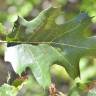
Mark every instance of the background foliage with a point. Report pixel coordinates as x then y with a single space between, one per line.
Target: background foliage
79 37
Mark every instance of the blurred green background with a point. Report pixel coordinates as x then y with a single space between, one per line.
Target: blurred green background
29 9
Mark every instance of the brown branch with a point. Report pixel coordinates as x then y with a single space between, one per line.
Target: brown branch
54 92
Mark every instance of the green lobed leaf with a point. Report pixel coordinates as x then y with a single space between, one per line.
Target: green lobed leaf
38 58
45 25
65 43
